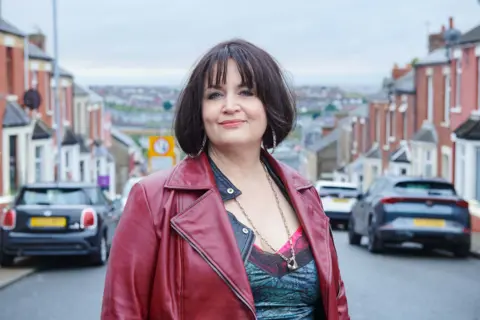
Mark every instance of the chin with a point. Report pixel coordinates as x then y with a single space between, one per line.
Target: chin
236 141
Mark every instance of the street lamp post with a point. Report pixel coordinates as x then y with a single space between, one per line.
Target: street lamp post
56 70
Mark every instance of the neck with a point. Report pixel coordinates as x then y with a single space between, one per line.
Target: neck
237 165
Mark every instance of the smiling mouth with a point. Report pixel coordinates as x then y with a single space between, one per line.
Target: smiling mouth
231 122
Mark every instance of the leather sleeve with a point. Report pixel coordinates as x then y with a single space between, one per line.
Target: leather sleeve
342 304
132 262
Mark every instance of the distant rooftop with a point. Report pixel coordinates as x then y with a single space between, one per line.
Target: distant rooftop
7 27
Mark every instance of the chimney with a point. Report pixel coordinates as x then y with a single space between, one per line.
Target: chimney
450 22
436 40
37 39
398 72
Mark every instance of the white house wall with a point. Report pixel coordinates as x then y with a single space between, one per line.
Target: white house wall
471 171
21 133
48 161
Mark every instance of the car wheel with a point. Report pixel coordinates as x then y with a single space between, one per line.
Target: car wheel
6 260
100 258
374 243
461 251
353 237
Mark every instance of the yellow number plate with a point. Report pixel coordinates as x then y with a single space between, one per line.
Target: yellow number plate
434 223
53 222
339 200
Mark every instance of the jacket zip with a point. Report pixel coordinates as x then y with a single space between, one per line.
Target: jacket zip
239 296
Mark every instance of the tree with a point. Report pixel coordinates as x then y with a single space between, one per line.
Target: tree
167 105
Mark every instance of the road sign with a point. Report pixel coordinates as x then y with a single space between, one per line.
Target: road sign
161 146
161 152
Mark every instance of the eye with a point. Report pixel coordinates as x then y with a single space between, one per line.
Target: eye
213 95
247 92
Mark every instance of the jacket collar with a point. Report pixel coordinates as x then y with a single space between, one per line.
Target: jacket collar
198 174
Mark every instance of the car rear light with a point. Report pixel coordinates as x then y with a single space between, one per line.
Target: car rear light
462 204
390 200
9 219
88 219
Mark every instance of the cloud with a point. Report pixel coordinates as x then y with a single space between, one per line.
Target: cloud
349 39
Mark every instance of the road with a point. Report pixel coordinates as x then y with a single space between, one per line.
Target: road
403 284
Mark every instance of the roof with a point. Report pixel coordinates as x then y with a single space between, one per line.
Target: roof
360 111
325 141
41 130
406 83
15 116
438 56
123 138
469 130
35 52
380 96
400 178
65 73
473 35
427 133
374 153
400 155
83 145
69 137
79 91
6 27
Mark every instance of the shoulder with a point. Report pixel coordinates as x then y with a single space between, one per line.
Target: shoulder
292 176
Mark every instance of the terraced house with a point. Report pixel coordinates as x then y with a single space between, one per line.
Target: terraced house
27 91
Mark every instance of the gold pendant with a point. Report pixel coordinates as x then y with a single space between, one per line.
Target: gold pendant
292 264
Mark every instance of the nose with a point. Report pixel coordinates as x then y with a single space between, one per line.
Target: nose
231 104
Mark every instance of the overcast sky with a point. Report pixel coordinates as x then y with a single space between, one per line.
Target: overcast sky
318 42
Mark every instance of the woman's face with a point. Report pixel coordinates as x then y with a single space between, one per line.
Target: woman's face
232 113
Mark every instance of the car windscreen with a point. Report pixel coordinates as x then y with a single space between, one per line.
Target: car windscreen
53 196
337 191
425 188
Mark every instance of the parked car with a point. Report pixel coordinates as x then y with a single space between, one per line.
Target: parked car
50 219
338 199
401 209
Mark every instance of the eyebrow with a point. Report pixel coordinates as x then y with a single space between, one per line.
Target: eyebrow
216 86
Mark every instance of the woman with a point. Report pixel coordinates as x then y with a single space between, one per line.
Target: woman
229 233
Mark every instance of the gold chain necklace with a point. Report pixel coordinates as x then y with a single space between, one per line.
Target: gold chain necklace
291 262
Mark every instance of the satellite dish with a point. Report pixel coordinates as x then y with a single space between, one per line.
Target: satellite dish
32 99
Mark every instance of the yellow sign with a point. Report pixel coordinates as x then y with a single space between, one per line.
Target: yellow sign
161 146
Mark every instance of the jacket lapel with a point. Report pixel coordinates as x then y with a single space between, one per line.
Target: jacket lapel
204 224
313 220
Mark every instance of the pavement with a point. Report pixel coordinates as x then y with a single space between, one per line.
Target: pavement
400 284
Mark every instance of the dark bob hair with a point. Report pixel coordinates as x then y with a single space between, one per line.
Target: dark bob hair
258 70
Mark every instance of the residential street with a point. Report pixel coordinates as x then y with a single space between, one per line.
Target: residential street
403 284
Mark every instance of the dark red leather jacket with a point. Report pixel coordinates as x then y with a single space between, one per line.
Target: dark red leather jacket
175 255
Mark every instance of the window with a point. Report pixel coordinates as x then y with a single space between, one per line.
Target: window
82 170
377 125
38 163
65 105
10 71
46 100
428 163
430 98
446 99
387 130
405 125
459 83
403 171
392 121
364 137
34 83
14 174
375 171
446 166
53 196
460 176
336 191
426 188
